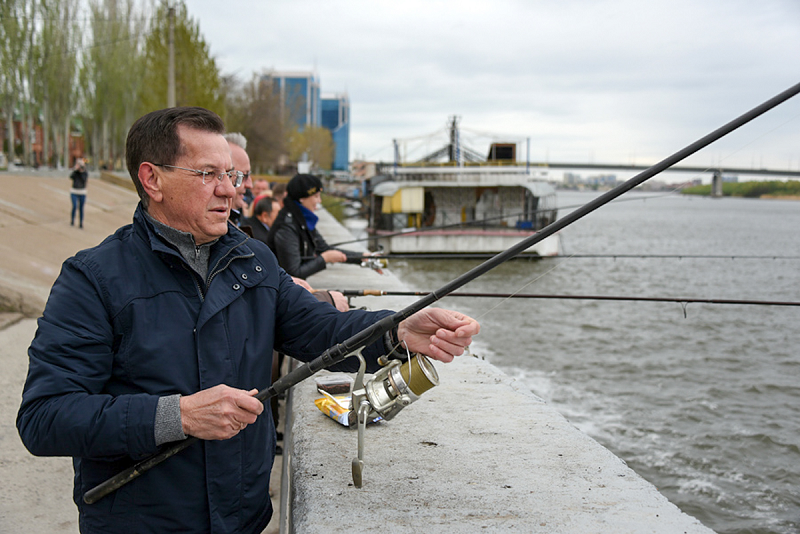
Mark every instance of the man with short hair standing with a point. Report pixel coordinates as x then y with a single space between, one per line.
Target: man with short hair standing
241 162
165 330
264 214
261 187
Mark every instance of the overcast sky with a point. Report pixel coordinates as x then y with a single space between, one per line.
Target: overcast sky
605 81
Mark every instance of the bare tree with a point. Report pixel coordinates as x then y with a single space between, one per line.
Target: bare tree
316 143
197 78
109 77
255 110
13 25
55 59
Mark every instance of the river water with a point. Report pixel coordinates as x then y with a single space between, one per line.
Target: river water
707 406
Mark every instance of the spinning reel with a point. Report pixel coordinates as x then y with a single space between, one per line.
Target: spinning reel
396 385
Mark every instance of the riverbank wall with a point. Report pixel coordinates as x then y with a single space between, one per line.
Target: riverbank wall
478 453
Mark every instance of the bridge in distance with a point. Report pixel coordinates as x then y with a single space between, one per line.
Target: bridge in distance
676 168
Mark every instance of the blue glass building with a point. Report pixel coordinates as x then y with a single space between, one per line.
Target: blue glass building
300 96
304 105
336 118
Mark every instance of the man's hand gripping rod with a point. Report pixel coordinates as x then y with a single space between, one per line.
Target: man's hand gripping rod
330 357
371 334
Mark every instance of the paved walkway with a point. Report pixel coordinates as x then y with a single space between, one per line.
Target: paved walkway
35 238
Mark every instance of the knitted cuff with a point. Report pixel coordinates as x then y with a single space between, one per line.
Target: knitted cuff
168 425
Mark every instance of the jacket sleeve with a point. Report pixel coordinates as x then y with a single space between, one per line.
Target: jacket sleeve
66 410
287 250
353 257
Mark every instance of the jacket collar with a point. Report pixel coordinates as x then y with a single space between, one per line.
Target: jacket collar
223 246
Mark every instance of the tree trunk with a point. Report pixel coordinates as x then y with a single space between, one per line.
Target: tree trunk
10 124
67 158
105 150
46 131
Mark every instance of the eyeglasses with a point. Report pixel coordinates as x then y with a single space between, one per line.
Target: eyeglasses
236 177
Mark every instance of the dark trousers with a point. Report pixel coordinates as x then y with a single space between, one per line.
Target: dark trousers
77 204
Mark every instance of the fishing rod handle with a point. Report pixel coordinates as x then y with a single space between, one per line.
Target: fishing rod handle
123 477
132 473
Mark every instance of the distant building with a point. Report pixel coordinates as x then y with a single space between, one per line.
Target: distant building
572 179
602 180
364 170
299 94
336 118
303 105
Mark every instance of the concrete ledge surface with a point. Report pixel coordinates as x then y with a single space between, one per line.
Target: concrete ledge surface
477 453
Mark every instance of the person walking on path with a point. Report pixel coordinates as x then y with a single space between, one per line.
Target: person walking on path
77 194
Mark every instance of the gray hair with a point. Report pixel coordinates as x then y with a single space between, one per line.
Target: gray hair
235 138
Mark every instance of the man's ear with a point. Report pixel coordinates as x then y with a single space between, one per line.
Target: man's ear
151 181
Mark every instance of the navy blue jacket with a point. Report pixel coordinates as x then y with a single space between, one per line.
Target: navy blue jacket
128 322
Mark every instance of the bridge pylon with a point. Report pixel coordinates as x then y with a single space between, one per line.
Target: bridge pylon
716 184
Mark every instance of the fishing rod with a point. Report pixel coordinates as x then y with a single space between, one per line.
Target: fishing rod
535 256
371 334
681 300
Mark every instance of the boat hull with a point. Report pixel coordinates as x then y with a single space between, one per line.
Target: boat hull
465 242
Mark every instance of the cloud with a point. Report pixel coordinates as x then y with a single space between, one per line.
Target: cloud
607 79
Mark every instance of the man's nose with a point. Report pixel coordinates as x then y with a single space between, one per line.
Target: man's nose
225 188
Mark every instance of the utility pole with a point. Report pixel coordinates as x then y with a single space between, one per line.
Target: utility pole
171 65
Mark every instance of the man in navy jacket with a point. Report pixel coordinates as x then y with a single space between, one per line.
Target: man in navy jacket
166 330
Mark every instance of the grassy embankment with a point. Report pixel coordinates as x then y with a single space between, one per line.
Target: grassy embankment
773 189
334 205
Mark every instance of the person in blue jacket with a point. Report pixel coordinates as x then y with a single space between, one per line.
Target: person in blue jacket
166 330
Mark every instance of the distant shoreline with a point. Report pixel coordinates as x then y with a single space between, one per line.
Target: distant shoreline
772 190
762 197
780 197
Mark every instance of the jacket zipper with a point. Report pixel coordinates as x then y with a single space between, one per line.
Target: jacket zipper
230 260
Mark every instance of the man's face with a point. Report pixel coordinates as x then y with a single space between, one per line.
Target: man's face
271 216
188 204
259 187
312 202
241 162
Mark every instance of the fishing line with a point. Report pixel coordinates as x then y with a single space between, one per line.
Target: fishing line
683 301
556 266
485 255
689 256
758 138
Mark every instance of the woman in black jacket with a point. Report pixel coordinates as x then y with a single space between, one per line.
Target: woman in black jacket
293 237
77 194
